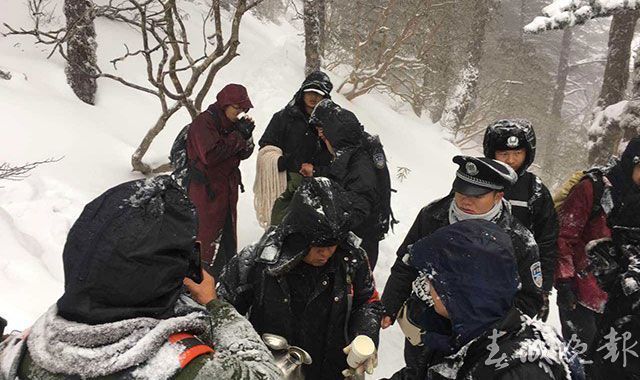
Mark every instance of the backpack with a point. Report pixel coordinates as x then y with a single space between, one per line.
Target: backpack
596 176
384 219
184 169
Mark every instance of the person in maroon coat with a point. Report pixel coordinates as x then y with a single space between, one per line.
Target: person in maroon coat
216 143
583 223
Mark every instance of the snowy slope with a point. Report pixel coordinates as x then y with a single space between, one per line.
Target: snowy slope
41 118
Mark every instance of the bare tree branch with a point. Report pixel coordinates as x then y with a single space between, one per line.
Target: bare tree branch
16 173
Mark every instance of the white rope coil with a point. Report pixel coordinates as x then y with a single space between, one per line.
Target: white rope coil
269 183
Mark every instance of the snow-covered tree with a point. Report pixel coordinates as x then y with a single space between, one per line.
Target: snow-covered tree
604 133
566 13
463 93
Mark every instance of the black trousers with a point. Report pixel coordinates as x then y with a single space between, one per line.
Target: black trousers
371 245
227 248
581 322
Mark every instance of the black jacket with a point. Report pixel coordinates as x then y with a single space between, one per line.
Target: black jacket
290 131
352 166
436 215
519 342
532 204
309 306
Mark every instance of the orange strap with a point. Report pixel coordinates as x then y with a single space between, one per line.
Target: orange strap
375 297
194 347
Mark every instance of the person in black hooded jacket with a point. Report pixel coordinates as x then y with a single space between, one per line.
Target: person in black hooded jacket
513 142
352 167
616 265
290 131
308 281
471 282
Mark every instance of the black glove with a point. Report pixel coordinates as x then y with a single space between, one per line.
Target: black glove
245 127
282 163
543 313
566 297
603 263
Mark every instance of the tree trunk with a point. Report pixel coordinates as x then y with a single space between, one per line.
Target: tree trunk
616 73
563 73
464 91
605 137
630 121
322 24
558 100
81 49
312 40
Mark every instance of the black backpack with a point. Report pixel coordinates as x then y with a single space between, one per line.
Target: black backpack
184 169
384 219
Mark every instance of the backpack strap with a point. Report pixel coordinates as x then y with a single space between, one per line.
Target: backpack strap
193 347
198 175
598 182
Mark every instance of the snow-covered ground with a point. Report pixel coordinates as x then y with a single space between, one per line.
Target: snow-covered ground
41 118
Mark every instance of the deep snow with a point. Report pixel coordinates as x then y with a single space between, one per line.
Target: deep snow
42 118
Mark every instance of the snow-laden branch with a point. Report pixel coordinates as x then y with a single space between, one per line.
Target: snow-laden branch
561 14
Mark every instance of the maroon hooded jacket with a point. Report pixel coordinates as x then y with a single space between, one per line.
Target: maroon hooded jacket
577 229
217 148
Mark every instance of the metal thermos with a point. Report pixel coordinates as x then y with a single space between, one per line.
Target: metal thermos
289 359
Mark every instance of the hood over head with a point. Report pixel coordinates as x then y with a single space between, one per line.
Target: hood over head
128 253
233 94
625 221
319 82
340 126
472 267
318 215
631 156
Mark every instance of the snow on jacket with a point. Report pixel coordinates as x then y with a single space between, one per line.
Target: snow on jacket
290 131
471 266
138 348
618 273
217 148
436 215
321 309
524 349
264 290
577 229
532 204
352 167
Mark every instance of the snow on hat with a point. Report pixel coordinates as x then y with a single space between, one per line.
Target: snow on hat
318 82
128 253
319 211
472 267
480 175
341 126
509 134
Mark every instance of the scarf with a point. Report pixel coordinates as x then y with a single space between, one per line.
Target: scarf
457 215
